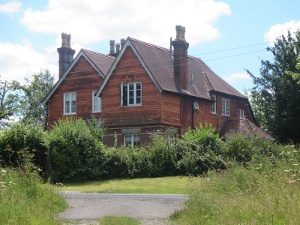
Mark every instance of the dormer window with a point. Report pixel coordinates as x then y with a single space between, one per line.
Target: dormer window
225 107
96 103
214 104
241 113
195 105
131 94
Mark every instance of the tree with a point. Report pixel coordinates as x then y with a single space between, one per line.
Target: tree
8 102
296 75
276 95
33 92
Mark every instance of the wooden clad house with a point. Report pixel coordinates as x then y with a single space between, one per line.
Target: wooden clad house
141 89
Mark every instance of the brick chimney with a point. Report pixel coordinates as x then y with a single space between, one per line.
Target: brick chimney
180 58
65 53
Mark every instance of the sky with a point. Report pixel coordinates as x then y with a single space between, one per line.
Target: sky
228 35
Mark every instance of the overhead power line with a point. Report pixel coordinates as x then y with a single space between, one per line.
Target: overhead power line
230 56
234 48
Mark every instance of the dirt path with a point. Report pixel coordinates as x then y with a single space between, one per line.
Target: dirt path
85 208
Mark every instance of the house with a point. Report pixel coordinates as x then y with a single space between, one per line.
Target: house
140 89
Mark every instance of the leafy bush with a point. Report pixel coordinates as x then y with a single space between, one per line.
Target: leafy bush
23 143
114 163
162 157
244 148
74 152
205 136
200 151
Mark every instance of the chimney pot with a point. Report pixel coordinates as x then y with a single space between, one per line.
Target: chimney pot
117 48
180 32
112 47
122 43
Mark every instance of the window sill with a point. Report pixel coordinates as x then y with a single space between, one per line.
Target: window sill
130 106
69 114
226 115
97 112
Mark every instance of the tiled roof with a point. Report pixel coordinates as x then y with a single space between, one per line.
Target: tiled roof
201 79
244 126
101 61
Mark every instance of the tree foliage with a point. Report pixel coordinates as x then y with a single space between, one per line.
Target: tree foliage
32 95
8 102
276 95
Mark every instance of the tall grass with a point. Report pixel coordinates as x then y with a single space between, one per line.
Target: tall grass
25 200
262 193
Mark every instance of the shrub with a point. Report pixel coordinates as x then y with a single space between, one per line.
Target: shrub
74 152
205 136
199 151
244 148
114 163
23 143
162 157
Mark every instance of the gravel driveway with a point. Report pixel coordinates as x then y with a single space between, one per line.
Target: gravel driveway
85 208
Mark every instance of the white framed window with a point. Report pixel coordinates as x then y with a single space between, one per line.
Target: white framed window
131 94
196 105
214 104
225 107
171 139
241 113
132 140
70 103
96 103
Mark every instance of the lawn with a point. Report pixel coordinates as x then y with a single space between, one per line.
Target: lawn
160 185
118 220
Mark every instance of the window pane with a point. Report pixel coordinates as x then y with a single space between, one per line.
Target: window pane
73 107
67 106
125 94
73 96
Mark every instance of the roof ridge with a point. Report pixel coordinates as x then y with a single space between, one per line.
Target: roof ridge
97 53
149 44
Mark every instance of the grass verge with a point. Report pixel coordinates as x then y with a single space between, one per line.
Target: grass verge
118 220
260 194
25 200
160 185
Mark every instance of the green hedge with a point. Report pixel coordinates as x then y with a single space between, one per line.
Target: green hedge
23 144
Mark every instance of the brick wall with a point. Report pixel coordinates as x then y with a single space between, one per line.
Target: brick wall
82 79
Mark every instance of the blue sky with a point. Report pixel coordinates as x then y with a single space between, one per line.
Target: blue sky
218 31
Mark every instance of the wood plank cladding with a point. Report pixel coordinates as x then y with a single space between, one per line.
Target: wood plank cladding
82 79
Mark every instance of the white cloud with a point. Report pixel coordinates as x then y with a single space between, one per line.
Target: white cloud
154 21
19 61
10 7
239 80
277 30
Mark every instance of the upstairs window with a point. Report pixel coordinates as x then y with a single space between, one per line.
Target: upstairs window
96 103
241 113
214 104
132 140
225 107
70 103
131 94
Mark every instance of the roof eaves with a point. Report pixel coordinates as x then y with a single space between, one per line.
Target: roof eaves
81 53
145 67
113 66
93 64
